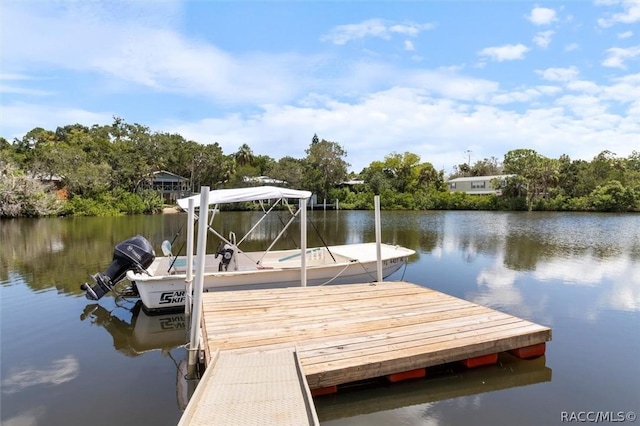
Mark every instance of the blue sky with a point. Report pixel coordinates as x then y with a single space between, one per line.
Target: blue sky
447 80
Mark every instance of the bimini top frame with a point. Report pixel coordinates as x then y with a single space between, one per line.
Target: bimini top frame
259 193
238 195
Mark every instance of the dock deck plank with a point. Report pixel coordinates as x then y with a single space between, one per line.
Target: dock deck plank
346 333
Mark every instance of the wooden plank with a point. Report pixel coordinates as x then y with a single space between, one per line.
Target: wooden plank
353 332
294 318
381 349
342 334
342 329
213 301
373 367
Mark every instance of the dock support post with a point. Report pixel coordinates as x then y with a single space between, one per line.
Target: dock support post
189 277
194 341
303 242
376 202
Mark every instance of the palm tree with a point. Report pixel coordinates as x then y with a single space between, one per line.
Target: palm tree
244 155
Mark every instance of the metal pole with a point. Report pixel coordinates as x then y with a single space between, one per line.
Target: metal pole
376 202
303 242
194 343
189 279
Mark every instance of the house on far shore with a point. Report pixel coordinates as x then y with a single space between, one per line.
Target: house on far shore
55 184
170 185
478 185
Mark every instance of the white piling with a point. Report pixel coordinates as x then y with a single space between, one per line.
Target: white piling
376 202
196 318
189 278
303 242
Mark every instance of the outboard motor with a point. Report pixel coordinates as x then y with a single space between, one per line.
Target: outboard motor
226 252
136 253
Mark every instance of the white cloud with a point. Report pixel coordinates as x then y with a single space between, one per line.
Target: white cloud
625 34
276 101
617 56
23 91
629 15
570 47
543 38
558 74
377 28
148 54
542 16
507 52
26 116
408 46
526 95
584 86
377 124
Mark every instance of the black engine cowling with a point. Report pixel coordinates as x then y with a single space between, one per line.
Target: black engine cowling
136 254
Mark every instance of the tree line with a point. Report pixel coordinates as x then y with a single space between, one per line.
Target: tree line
103 170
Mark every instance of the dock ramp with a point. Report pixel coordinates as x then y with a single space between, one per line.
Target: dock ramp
255 388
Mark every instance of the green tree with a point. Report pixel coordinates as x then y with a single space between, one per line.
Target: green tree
22 195
326 166
376 179
613 197
486 167
290 170
264 164
244 155
536 174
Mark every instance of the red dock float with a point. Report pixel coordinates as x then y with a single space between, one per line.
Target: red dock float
479 361
407 375
532 351
324 391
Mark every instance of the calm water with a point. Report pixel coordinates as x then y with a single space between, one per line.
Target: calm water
65 361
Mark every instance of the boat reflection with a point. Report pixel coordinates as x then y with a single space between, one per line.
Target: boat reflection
446 382
142 333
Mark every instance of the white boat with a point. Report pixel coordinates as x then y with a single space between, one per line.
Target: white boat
160 281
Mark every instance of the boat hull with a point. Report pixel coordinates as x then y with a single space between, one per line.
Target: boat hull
168 292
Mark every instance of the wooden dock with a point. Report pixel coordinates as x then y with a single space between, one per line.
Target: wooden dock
348 333
352 332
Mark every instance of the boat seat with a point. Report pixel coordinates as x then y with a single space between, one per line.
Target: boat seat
179 263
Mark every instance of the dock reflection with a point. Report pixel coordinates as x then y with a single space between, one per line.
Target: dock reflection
445 382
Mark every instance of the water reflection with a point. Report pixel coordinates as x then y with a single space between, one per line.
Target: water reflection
578 273
59 371
141 332
446 382
580 249
31 417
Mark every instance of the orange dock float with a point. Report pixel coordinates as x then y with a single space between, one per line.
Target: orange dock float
348 333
